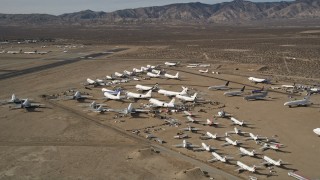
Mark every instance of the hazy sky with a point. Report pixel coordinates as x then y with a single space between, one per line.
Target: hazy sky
67 6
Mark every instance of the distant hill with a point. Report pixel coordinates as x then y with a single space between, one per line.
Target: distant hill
237 11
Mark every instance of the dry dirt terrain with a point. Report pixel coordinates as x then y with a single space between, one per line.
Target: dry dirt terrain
64 141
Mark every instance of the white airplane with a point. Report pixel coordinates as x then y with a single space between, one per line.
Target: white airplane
173 93
150 66
150 74
171 63
257 96
169 76
143 69
244 167
192 65
237 122
211 122
182 136
217 157
269 161
204 65
220 87
302 102
190 119
146 88
317 131
223 114
129 110
211 136
256 137
109 77
97 82
155 71
205 148
138 96
273 146
187 98
28 105
186 145
203 71
231 142
191 129
236 131
187 113
99 109
119 75
258 80
235 93
111 96
13 99
157 103
77 96
245 152
30 52
128 73
137 70
113 92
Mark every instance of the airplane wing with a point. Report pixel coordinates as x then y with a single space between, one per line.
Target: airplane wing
225 144
178 145
212 160
184 129
193 146
239 169
197 149
204 137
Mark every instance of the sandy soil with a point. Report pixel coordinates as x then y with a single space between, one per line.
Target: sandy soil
57 142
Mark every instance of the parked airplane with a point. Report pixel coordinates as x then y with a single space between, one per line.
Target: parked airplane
255 91
120 75
317 131
171 63
203 71
235 93
146 88
244 167
157 103
77 96
187 113
258 96
137 70
256 137
99 109
302 102
211 122
139 96
109 77
173 93
259 80
13 99
28 105
236 131
169 76
273 146
97 82
150 74
190 119
204 65
231 142
128 73
187 98
220 87
112 97
217 157
130 110
113 92
182 136
269 161
186 145
245 152
205 148
211 136
237 122
223 114
191 129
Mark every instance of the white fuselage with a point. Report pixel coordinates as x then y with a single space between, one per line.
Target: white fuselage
143 88
171 93
233 93
218 157
257 80
246 167
187 98
246 152
118 74
271 161
203 71
237 122
301 102
139 96
234 143
158 103
170 64
111 96
169 76
150 74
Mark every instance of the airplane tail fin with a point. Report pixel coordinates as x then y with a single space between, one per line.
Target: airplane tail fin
172 101
77 94
194 96
177 75
93 104
118 95
148 94
227 84
243 88
184 88
13 97
129 108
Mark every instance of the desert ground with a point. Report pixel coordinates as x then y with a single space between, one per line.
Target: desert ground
65 141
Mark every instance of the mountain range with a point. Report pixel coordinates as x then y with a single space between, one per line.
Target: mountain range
237 11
